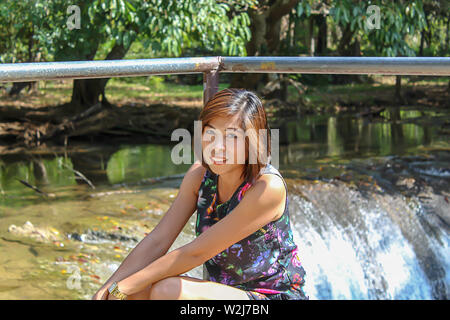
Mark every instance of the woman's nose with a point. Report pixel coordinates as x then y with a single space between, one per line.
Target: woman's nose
219 144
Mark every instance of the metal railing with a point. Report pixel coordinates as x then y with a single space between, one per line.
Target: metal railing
211 67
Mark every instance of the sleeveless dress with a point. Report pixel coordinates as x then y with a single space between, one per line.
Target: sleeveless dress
265 264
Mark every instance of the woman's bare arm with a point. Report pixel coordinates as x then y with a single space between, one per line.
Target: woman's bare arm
161 238
261 204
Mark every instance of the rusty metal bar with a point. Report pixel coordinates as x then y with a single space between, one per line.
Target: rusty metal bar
211 81
210 85
15 72
433 66
212 66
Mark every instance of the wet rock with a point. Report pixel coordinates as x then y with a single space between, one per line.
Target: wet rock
98 236
40 234
406 182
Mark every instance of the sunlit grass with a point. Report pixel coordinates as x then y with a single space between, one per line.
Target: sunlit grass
156 89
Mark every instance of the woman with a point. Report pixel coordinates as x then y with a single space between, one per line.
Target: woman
243 234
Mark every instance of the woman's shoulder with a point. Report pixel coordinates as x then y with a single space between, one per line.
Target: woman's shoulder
272 178
269 172
197 169
278 188
270 189
195 175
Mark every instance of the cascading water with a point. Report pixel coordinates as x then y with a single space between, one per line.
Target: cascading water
375 246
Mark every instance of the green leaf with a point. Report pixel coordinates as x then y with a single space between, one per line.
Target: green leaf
126 40
299 10
338 15
130 6
352 24
346 17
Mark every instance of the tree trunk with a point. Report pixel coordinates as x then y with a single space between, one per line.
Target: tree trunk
398 89
322 40
88 92
255 47
422 40
344 47
348 46
265 28
17 88
33 56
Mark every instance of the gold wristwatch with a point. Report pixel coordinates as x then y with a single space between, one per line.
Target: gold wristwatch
114 290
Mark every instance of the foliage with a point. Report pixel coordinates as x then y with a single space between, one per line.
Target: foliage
401 24
20 24
398 21
165 28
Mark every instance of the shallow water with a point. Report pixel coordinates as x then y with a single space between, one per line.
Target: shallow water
368 201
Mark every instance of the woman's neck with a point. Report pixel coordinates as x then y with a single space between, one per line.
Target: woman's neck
227 184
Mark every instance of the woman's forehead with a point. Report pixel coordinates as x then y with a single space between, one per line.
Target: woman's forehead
224 123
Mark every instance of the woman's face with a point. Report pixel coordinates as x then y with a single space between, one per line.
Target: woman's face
223 144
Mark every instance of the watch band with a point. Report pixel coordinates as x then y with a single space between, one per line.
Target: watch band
114 290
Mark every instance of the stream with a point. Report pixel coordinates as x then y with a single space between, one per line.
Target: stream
369 206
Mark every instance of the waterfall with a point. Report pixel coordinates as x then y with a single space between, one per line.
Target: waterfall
356 245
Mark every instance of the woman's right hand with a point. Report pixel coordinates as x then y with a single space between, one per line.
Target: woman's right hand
102 293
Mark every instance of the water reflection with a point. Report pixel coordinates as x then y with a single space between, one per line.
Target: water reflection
136 163
303 142
347 136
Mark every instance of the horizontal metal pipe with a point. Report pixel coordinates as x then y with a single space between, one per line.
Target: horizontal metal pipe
436 66
13 72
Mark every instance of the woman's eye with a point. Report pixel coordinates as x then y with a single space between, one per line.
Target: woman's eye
232 136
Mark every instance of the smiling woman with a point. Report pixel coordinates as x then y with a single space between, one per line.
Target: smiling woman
243 232
264 263
239 116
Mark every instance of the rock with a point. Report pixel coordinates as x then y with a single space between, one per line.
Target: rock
36 233
408 182
97 236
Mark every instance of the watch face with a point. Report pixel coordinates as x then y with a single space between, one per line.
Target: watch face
112 287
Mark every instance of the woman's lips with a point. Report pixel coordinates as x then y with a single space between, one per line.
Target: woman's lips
218 160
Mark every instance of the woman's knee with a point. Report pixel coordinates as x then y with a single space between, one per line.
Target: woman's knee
166 289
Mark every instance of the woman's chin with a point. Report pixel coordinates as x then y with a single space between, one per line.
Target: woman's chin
219 168
223 168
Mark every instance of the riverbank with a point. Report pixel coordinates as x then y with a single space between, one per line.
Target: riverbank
149 111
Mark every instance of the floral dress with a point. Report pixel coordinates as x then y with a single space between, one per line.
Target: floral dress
265 264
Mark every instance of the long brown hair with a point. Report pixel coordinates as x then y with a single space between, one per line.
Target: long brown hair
249 109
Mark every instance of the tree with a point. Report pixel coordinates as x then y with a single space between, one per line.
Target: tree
109 27
265 28
19 22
